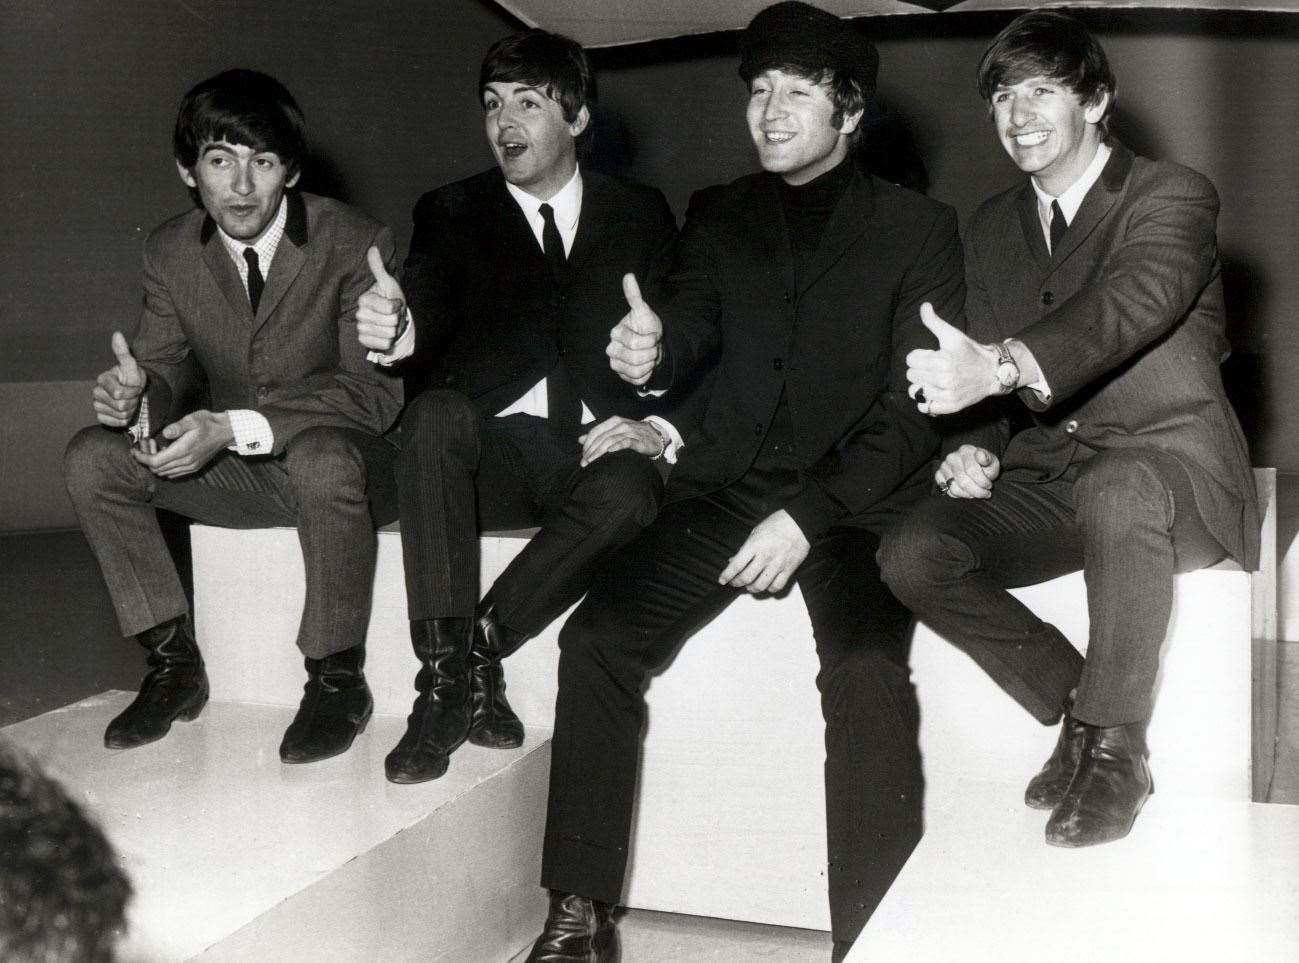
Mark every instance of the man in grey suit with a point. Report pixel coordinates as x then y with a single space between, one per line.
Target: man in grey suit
246 401
1095 316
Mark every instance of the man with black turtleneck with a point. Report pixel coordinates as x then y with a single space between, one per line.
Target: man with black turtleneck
804 282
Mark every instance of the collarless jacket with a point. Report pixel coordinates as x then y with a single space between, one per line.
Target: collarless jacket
491 321
1126 321
297 361
834 341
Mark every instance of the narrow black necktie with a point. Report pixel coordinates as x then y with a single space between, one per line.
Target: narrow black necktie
553 244
1058 225
255 280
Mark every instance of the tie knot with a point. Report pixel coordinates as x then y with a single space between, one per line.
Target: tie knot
250 256
1058 225
547 213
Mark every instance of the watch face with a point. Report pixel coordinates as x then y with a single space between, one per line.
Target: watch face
1007 374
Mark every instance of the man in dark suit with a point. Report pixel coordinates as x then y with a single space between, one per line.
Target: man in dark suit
805 280
251 403
1095 297
512 278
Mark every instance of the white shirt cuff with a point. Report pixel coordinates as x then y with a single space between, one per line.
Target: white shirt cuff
401 349
253 435
140 430
675 442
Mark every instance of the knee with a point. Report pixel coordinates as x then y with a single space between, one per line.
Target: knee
1116 489
94 458
914 556
868 676
325 465
437 417
624 486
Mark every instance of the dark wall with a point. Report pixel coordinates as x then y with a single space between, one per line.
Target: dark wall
88 93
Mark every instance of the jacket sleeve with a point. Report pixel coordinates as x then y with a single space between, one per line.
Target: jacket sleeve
892 440
428 279
355 393
175 380
1149 281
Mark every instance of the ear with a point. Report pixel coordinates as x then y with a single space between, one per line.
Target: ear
186 175
293 179
1094 111
580 121
850 122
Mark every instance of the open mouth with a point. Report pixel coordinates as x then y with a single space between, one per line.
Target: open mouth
778 136
1031 139
513 149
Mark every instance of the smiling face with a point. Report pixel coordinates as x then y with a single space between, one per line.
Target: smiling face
240 187
1047 130
791 123
534 146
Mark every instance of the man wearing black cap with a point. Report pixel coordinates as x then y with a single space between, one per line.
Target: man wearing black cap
805 282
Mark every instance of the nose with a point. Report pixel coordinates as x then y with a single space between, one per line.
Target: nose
1020 112
773 107
243 180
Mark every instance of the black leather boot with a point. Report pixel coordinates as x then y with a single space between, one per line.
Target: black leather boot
1108 790
439 721
335 707
1047 788
492 723
175 688
578 930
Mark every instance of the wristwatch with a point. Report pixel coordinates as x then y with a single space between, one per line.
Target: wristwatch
1007 370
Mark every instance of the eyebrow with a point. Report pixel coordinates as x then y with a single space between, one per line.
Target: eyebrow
522 88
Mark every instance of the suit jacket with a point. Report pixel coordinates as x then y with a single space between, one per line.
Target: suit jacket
1126 321
297 361
835 343
490 320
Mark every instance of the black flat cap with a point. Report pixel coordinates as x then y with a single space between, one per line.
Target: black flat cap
799 35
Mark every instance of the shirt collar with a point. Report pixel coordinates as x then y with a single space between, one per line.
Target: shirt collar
265 246
1072 198
567 202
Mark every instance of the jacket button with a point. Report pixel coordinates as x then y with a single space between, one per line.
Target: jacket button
757 430
1071 426
786 297
777 363
1048 298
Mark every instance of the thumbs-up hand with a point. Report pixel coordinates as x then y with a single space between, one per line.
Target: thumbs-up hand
958 374
116 394
635 343
381 310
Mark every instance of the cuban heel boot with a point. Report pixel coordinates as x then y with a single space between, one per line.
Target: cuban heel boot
438 723
175 687
492 722
578 930
1108 790
336 705
1047 788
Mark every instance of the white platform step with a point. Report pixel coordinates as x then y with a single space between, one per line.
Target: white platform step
1197 881
237 857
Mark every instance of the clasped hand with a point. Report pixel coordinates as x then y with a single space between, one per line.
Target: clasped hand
769 557
191 443
968 472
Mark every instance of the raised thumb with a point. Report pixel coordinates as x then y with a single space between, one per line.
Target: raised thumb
940 329
631 291
388 285
125 360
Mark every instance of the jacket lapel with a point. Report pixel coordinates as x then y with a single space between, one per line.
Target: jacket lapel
223 271
1031 225
288 260
846 225
592 223
1098 201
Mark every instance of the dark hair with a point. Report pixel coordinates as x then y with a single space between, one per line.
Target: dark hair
546 60
1047 44
62 894
241 107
